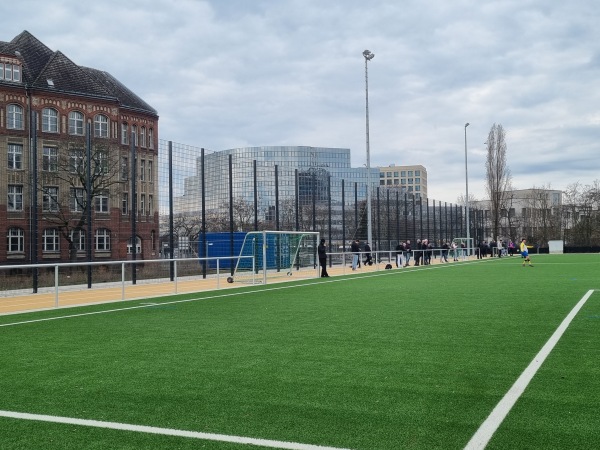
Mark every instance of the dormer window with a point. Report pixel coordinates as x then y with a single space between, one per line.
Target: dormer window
50 82
10 72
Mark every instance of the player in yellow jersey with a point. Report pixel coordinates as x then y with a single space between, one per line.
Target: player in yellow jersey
525 252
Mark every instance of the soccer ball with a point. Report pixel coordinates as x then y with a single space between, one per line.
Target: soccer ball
230 279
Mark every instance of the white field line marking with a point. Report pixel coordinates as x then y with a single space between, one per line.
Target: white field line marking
497 416
165 431
339 279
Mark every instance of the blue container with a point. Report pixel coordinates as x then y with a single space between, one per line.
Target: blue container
218 245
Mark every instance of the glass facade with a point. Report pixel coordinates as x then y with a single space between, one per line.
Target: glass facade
312 165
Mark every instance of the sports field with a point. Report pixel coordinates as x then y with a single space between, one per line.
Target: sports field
414 358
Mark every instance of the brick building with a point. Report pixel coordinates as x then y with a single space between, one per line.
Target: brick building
53 114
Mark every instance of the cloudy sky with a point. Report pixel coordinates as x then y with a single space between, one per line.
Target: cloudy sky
231 73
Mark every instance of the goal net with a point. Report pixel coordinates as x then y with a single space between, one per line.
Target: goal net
276 254
464 247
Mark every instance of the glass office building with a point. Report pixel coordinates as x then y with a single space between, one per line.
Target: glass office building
279 172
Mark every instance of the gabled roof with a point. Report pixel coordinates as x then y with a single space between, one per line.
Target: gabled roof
114 86
41 64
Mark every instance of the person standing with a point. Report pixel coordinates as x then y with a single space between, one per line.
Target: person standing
511 248
482 250
525 252
430 251
427 250
399 251
454 251
407 253
322 250
368 256
445 247
418 252
355 249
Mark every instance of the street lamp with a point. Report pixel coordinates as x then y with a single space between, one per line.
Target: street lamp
368 57
467 193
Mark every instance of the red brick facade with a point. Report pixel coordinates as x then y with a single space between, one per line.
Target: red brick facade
61 116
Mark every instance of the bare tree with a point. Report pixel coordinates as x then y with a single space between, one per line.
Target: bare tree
581 216
243 214
513 221
287 214
542 218
64 188
497 174
187 225
472 199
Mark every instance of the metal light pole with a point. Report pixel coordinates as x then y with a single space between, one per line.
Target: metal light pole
467 192
368 57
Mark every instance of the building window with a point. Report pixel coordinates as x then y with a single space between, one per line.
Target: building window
15 197
14 117
76 123
150 138
143 136
396 181
78 239
138 246
101 203
124 203
15 157
124 137
381 174
150 172
101 126
150 205
417 173
396 174
142 170
77 199
76 161
15 240
142 204
417 181
50 159
403 173
403 181
410 181
10 72
50 240
102 239
50 199
49 120
124 168
389 182
410 173
101 163
134 135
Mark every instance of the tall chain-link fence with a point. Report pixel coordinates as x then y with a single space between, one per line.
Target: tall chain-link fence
205 192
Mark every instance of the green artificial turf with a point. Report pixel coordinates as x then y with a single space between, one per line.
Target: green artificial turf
403 359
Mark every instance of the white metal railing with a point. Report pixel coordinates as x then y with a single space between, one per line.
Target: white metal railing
56 267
